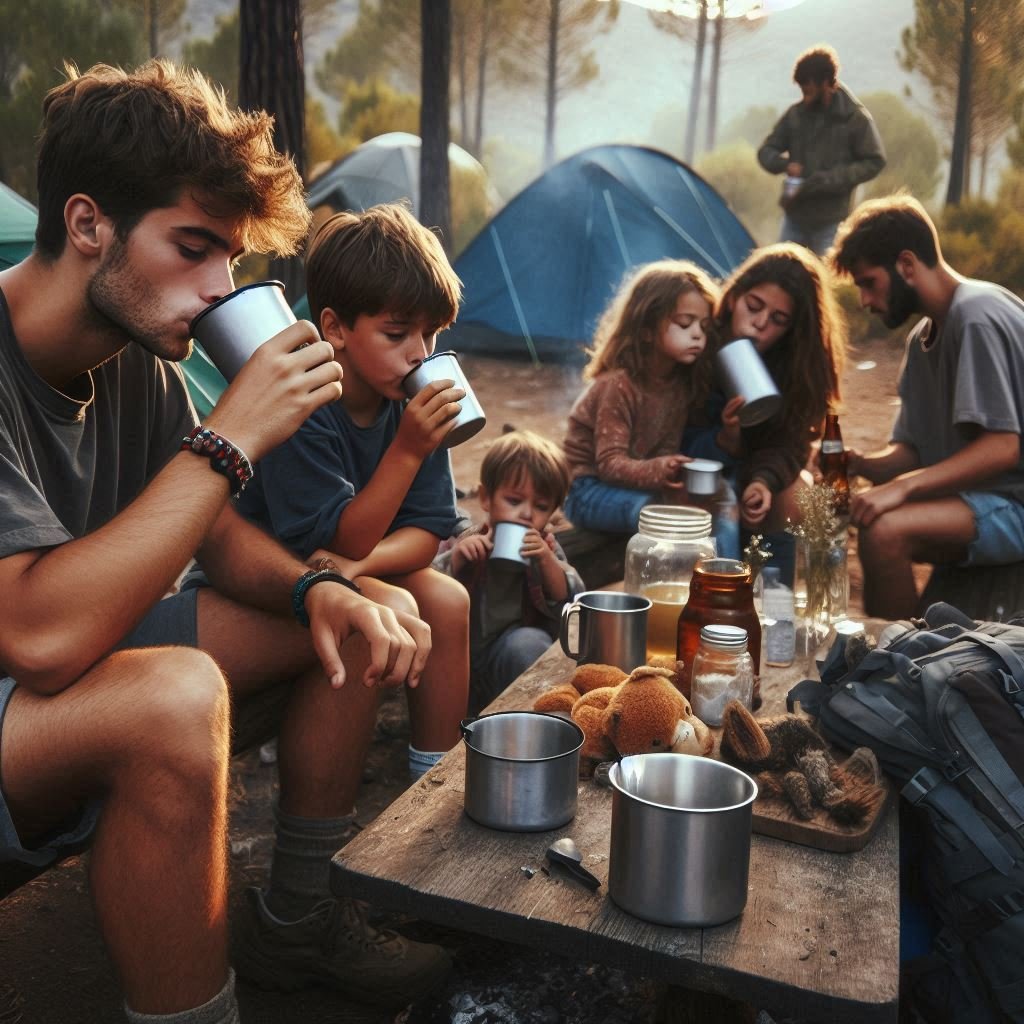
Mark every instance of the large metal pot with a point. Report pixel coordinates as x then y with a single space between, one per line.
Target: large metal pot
680 845
522 770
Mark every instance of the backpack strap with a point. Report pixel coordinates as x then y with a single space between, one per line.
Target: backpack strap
928 787
989 763
1013 683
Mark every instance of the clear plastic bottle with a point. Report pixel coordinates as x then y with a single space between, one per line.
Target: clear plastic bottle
722 671
779 619
659 563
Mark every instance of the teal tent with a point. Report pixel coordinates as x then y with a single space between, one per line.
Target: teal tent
17 235
17 227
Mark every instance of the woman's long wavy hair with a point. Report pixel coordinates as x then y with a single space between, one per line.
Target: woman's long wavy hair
808 360
628 329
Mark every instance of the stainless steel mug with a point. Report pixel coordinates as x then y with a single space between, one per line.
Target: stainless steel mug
743 373
680 838
702 476
233 327
606 627
522 770
508 539
445 366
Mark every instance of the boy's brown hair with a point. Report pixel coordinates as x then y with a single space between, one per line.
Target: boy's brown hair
523 454
381 260
880 229
134 141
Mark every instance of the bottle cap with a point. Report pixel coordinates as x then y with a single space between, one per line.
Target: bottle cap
726 638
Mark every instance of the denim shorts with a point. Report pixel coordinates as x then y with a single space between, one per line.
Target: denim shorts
171 621
999 529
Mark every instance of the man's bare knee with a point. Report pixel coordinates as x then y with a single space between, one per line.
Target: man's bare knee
884 541
181 710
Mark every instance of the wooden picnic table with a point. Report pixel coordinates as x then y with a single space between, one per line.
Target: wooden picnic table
818 940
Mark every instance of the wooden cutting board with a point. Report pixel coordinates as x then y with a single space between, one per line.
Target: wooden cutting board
776 817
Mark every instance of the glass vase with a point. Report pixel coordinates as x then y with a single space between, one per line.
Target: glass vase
821 594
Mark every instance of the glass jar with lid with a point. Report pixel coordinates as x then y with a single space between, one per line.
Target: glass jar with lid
721 594
722 671
659 562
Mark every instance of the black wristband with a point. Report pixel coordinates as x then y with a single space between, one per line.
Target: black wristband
311 579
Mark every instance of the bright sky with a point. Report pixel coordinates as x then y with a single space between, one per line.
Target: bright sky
733 8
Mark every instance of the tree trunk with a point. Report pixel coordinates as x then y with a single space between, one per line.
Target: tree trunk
961 127
435 200
154 28
461 62
552 90
714 78
690 144
271 77
481 81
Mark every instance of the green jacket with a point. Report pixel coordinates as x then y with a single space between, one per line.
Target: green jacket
838 146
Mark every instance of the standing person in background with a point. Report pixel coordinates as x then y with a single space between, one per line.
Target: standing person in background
826 145
646 368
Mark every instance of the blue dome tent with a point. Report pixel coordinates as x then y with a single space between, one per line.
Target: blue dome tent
538 276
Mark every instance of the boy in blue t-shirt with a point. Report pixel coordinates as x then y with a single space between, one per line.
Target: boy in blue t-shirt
363 482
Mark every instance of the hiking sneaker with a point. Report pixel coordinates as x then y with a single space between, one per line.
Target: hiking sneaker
334 946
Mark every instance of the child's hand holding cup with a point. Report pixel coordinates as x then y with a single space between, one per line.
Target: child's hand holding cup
445 366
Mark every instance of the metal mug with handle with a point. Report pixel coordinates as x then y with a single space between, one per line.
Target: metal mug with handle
606 627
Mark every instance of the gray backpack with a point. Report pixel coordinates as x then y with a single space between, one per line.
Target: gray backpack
941 706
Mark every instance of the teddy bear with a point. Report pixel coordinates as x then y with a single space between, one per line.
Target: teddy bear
639 713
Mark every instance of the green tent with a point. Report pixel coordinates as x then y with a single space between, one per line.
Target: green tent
17 227
17 235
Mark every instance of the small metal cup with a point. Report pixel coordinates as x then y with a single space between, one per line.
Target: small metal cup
232 328
508 539
702 476
743 373
606 627
445 366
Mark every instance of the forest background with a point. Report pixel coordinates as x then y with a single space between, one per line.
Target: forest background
532 81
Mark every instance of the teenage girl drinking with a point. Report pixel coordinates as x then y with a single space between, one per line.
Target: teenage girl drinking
646 367
781 299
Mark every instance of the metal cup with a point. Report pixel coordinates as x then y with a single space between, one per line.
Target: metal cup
680 838
702 476
743 373
232 328
508 539
445 366
606 627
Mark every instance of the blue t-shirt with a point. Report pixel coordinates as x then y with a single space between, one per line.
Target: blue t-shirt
301 488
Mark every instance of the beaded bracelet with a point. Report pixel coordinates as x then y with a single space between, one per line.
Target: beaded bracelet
310 579
226 458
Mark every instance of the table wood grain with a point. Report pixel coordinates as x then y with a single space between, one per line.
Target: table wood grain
818 940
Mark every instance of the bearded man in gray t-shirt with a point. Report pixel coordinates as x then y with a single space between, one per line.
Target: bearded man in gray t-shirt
949 487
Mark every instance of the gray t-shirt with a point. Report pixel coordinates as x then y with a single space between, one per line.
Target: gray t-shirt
70 462
971 373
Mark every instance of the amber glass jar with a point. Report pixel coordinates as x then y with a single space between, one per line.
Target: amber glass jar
721 594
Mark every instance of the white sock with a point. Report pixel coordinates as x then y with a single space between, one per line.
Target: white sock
221 1009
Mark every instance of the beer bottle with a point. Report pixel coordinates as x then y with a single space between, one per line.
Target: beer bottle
833 464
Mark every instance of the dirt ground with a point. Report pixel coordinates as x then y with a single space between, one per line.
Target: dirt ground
53 969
